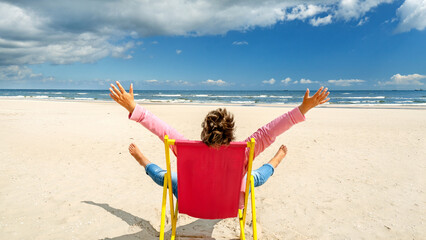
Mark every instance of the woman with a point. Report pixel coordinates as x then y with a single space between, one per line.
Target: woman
218 129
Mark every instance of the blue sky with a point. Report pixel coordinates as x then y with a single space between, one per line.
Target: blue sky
348 44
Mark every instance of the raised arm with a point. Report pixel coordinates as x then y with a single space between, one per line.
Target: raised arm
143 116
267 134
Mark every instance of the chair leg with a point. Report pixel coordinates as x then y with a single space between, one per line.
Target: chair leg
163 209
253 209
240 218
174 221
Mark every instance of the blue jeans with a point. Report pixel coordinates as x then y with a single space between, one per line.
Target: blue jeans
260 175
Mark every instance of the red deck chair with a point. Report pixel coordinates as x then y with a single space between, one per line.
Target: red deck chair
209 182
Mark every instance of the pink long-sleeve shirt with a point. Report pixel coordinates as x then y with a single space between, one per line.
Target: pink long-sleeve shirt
264 136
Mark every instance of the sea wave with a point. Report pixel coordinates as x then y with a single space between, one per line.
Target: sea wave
82 93
180 101
168 95
40 97
272 96
222 96
377 97
82 98
18 96
243 102
158 100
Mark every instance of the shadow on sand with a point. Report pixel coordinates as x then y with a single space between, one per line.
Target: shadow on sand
148 232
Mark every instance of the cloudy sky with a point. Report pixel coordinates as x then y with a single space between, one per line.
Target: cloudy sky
190 44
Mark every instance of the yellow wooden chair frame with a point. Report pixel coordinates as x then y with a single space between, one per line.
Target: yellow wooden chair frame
174 210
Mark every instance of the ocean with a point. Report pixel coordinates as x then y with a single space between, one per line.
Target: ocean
364 97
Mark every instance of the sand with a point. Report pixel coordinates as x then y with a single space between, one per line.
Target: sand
350 173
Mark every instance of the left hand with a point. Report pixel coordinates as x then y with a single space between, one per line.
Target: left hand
320 97
122 97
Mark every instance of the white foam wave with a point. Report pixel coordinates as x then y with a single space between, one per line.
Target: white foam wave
227 96
81 93
168 95
201 95
84 98
180 101
243 102
19 96
285 96
40 97
378 97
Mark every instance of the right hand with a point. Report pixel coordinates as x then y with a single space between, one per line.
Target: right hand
122 97
320 97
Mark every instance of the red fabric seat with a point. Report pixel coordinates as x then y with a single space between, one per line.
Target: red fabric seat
209 179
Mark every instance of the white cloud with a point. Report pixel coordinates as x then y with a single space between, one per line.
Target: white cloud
411 79
320 21
307 81
22 73
240 43
182 82
301 81
218 82
152 81
15 72
391 20
167 82
303 11
355 9
363 21
345 82
270 81
286 80
178 51
412 14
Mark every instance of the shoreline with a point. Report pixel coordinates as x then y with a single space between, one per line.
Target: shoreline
331 105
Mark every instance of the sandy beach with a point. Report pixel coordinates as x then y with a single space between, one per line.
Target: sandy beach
350 173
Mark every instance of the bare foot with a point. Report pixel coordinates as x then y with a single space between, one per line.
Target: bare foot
278 156
137 154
